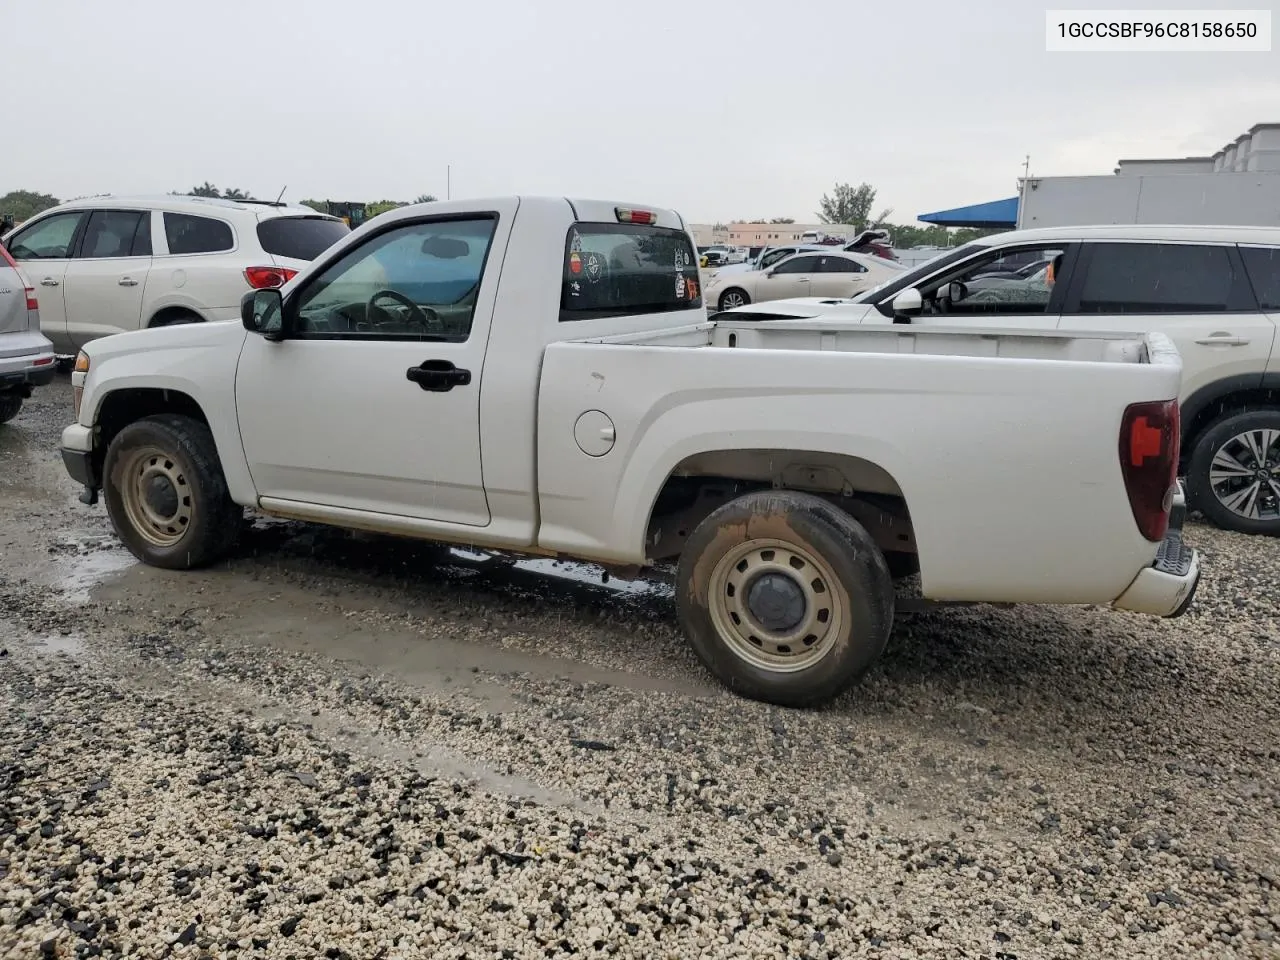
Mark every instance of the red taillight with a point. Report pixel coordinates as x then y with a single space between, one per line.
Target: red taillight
43 362
266 278
1149 439
635 216
32 302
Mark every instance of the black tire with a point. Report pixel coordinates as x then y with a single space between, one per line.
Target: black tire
746 297
10 405
859 596
180 448
1200 492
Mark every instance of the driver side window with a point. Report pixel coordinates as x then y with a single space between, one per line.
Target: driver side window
414 282
798 265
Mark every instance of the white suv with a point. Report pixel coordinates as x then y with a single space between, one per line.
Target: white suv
106 265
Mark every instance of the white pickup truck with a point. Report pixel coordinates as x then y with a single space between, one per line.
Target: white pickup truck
538 375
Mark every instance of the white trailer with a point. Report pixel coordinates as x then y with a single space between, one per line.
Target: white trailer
1244 199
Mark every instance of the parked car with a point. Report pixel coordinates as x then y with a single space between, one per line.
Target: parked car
767 258
26 356
1215 291
831 273
109 264
790 472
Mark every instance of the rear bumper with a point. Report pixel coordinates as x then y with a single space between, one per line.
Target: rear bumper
29 369
1167 587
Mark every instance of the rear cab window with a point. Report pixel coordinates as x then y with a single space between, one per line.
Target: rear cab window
300 238
621 269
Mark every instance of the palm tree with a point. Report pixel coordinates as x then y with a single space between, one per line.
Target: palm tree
234 193
206 189
425 198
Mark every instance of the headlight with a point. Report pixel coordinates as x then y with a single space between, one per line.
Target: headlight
79 372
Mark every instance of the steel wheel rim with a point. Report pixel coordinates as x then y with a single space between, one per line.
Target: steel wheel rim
734 300
149 479
793 646
1244 474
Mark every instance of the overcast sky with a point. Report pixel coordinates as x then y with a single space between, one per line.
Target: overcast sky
724 110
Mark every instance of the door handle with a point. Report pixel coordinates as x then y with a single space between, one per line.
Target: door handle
48 282
438 376
127 282
1223 340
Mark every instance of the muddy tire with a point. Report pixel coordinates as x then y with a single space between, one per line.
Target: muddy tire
10 404
784 597
166 493
1233 476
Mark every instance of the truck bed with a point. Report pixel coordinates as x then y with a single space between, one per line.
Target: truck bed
936 340
993 440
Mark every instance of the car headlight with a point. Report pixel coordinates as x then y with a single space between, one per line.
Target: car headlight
78 374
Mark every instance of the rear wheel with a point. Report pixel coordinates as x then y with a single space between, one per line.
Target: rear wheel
784 597
1233 477
166 494
10 404
734 297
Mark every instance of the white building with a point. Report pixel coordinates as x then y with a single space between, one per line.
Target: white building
1238 185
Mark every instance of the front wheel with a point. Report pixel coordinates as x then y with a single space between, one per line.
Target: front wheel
733 297
10 405
1233 477
784 597
166 493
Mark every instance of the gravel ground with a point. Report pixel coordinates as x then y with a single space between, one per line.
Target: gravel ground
341 747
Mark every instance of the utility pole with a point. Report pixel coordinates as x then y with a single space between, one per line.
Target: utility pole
1026 167
448 182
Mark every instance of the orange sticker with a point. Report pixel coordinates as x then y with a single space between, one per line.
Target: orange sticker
692 287
575 263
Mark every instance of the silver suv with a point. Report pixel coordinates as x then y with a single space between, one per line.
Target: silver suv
26 356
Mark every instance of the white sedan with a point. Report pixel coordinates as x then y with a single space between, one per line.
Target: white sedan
835 274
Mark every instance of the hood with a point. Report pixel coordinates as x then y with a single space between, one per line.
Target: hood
218 334
805 308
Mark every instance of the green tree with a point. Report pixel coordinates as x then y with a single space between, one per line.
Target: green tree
205 189
425 198
848 205
382 206
782 220
25 204
234 193
319 206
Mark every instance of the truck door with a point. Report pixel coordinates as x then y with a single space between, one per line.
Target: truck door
371 400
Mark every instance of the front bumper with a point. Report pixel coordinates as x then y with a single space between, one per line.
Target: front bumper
1167 587
77 457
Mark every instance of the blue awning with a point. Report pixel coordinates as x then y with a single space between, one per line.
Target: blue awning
996 213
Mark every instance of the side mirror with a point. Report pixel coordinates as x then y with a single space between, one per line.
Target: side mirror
262 312
908 302
956 291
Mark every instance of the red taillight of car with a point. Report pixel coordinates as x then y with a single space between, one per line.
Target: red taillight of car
635 216
32 302
267 278
1149 439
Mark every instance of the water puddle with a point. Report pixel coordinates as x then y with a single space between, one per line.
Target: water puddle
79 573
52 646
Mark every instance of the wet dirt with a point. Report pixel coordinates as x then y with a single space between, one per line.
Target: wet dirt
1034 753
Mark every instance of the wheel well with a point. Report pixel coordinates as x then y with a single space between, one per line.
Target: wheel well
123 407
174 315
701 483
1237 402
